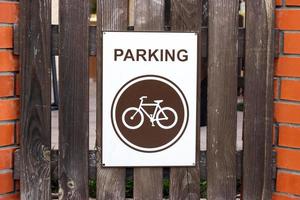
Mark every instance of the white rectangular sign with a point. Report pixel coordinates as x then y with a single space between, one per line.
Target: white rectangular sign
149 99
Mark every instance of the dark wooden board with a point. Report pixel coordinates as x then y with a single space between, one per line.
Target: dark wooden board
149 16
93 41
222 98
35 52
186 16
112 16
258 100
93 165
74 99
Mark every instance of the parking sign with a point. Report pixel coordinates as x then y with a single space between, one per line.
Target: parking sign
149 99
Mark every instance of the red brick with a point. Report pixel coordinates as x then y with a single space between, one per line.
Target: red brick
288 113
9 12
278 2
15 196
6 183
8 61
276 89
288 183
6 37
279 196
289 136
289 90
292 2
6 134
9 109
6 158
292 42
287 66
288 19
7 84
288 158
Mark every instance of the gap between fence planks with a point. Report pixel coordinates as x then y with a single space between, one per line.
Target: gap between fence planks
74 100
222 99
35 51
186 16
258 120
112 16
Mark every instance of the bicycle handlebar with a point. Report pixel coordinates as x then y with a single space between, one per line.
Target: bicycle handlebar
143 97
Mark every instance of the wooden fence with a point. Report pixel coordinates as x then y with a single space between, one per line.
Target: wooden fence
222 45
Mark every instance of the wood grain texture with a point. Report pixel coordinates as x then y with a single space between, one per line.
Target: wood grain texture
35 27
115 15
258 100
93 165
93 41
112 16
74 99
186 16
222 98
149 16
147 183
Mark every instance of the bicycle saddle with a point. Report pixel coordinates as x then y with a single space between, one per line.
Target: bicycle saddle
158 101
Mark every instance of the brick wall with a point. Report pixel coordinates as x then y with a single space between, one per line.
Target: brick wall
287 101
9 100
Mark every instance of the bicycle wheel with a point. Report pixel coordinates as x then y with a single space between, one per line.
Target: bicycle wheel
166 118
132 118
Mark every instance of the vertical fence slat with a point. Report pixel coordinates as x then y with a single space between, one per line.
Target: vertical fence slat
222 99
112 15
257 170
35 55
185 182
74 99
149 16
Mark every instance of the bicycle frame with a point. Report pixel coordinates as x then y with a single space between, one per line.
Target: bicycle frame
152 116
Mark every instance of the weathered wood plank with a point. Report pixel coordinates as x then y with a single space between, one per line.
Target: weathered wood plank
93 41
112 16
74 99
93 165
35 27
149 16
258 100
184 182
186 15
222 98
16 38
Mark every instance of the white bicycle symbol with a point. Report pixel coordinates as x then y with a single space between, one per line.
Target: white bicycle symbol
160 115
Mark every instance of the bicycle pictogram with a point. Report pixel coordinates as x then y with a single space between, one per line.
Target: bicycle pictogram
149 113
164 117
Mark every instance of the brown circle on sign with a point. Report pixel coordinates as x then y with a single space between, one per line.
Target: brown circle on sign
149 113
